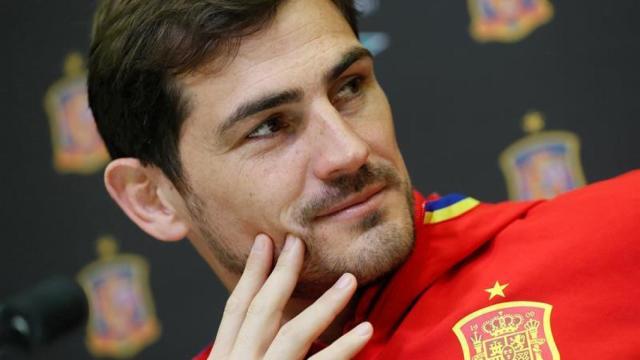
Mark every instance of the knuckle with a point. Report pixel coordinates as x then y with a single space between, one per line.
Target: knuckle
256 308
284 272
239 354
251 269
289 332
286 330
233 305
329 303
281 265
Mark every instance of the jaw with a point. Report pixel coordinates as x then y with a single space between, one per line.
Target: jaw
369 250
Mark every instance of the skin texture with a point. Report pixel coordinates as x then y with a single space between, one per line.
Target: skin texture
285 170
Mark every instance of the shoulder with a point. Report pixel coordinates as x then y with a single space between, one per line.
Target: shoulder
613 199
598 219
605 203
626 185
457 209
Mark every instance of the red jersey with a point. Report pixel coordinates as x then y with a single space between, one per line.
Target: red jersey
529 280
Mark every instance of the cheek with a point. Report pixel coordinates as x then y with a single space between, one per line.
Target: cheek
376 127
384 144
241 206
273 184
223 187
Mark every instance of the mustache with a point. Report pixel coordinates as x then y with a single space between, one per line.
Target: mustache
341 187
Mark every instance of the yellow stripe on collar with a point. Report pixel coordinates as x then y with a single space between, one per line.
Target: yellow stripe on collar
435 214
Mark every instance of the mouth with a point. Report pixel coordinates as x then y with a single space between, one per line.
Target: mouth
356 205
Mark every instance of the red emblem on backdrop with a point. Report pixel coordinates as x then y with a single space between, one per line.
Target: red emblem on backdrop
507 20
122 319
543 164
77 146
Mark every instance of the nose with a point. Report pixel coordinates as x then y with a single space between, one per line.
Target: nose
340 149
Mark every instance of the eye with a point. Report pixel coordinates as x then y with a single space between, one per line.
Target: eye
268 128
350 89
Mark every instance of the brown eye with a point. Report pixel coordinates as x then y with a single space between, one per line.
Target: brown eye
352 88
268 128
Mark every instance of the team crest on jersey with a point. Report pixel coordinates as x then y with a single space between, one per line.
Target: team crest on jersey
507 20
543 164
77 146
122 318
517 330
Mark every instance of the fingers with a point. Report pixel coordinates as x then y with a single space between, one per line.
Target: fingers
295 337
254 275
265 311
253 312
348 345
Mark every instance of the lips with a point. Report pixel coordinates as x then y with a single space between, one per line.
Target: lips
352 201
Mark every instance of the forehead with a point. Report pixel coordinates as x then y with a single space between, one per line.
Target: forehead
304 39
299 26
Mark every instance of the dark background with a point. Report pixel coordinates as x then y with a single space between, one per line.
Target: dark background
457 104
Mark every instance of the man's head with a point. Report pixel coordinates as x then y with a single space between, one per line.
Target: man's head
227 119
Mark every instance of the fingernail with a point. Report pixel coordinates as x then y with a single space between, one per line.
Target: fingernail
259 243
364 329
288 244
344 281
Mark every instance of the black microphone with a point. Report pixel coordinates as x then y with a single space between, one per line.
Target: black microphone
40 314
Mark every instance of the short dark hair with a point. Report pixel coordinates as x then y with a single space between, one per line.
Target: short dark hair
140 47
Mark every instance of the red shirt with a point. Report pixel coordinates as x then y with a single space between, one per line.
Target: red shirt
529 280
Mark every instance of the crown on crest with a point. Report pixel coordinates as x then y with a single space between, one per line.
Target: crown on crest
502 324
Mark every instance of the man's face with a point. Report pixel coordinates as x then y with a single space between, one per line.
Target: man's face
295 136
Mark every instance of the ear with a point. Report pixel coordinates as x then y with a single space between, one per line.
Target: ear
142 193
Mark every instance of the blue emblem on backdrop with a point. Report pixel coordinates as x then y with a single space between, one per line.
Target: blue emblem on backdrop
543 164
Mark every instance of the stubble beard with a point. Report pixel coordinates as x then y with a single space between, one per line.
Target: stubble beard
377 248
378 245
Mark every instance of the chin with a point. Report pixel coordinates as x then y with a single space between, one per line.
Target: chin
370 250
380 250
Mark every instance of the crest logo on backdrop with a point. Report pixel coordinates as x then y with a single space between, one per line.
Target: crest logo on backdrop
77 146
507 20
122 319
542 164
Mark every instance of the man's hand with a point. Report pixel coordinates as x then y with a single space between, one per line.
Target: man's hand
250 327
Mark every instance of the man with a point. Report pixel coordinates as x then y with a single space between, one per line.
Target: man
257 130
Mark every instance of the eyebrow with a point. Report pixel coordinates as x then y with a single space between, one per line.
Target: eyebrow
279 98
348 58
263 103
